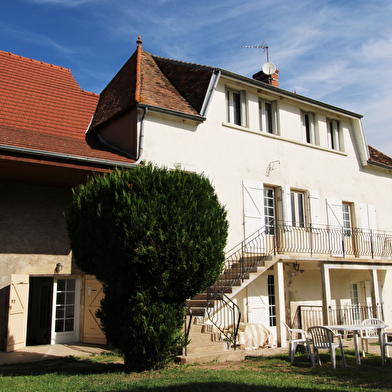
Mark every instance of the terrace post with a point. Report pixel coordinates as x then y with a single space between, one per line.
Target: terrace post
281 309
326 291
375 292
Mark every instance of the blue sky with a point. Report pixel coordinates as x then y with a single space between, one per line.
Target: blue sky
338 52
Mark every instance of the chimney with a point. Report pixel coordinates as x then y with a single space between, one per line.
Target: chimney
272 79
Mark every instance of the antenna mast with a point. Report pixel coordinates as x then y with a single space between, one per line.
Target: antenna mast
265 47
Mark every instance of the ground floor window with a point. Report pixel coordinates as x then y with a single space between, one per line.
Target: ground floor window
271 300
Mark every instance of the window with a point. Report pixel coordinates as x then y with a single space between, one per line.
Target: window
268 117
355 301
308 126
236 107
271 300
269 211
65 305
297 209
346 219
333 135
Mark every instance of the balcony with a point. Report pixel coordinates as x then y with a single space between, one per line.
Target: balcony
321 240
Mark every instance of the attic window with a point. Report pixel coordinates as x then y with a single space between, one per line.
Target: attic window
236 107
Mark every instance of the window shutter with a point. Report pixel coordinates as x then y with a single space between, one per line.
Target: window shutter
286 206
314 206
335 213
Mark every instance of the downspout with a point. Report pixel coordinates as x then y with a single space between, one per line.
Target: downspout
141 137
210 92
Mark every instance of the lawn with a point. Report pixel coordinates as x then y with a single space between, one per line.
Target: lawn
105 373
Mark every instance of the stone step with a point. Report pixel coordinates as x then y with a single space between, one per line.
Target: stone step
224 356
206 348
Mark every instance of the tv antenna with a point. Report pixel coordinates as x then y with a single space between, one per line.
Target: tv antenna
265 47
268 68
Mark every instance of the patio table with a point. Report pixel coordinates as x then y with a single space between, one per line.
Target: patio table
356 329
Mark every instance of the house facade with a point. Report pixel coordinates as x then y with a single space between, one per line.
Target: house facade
306 197
296 171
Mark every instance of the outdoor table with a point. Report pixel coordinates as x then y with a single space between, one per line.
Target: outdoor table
356 329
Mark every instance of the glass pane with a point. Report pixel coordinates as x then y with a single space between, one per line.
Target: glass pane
70 298
59 312
70 312
60 298
70 284
59 327
268 117
61 285
301 210
237 108
294 222
69 325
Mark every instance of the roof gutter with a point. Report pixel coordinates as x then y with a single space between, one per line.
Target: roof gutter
170 112
68 157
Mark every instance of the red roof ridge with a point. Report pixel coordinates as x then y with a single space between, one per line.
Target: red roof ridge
35 61
138 70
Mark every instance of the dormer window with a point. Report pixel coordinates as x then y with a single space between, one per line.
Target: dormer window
236 107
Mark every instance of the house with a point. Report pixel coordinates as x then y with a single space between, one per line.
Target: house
43 153
310 236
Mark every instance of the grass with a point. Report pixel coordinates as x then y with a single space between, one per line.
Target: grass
276 373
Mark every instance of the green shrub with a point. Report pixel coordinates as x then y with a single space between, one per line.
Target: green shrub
154 238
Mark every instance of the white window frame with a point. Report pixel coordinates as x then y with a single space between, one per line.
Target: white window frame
308 125
334 135
298 212
268 119
347 222
236 111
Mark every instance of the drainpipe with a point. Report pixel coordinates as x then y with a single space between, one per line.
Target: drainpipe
141 137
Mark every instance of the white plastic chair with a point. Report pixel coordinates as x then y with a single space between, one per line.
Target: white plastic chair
385 345
296 337
323 338
370 333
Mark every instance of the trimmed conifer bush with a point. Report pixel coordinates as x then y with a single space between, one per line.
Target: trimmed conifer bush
154 238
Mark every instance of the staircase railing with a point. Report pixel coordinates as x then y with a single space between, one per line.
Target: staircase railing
224 314
246 257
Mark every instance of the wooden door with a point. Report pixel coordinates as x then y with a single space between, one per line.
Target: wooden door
92 331
17 316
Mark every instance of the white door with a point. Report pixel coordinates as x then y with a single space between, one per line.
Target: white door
17 316
66 310
253 216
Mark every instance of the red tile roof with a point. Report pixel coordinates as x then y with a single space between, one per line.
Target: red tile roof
157 82
43 108
379 157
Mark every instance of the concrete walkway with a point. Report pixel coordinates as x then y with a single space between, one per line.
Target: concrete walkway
47 351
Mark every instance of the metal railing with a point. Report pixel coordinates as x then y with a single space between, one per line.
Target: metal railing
224 314
245 258
307 316
333 241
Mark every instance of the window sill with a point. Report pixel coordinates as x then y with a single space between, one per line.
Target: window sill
273 136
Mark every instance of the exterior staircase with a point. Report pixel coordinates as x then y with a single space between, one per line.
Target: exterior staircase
244 263
241 274
206 345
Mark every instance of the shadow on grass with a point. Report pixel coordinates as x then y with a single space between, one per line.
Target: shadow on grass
275 374
66 365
